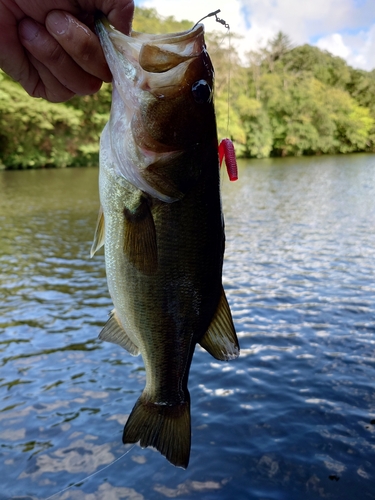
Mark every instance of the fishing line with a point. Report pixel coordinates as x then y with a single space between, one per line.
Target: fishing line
226 25
226 148
217 19
92 475
229 76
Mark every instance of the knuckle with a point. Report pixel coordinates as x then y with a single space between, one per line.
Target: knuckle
54 54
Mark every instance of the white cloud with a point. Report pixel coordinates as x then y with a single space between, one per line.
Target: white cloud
325 23
335 44
362 47
357 49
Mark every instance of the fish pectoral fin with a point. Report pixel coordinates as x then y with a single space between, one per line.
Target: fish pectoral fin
99 233
164 426
114 332
140 237
160 179
221 340
167 176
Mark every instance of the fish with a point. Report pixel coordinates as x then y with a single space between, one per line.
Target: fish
161 224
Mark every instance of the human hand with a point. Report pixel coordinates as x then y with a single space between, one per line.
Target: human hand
50 48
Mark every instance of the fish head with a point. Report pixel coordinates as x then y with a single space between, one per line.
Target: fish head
162 94
178 77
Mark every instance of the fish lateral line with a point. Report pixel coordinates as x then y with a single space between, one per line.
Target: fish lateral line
227 152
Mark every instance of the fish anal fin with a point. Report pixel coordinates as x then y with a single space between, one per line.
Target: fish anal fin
163 426
140 244
99 233
220 340
114 332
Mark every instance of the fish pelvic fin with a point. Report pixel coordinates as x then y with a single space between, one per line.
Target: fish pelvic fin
165 427
99 233
115 333
221 340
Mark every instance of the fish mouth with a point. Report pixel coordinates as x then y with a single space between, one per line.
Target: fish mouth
155 63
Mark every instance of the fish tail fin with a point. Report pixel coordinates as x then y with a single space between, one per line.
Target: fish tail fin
165 427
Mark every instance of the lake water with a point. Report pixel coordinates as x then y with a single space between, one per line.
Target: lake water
292 418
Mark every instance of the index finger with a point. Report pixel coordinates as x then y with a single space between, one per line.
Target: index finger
13 59
79 42
53 60
119 13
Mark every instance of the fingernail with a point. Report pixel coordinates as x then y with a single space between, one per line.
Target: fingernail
57 22
28 29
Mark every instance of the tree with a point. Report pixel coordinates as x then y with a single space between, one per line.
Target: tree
284 100
276 48
325 67
35 132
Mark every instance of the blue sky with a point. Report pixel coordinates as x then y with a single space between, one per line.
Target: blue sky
344 27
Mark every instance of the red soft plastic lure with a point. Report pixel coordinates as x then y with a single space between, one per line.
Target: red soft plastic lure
226 150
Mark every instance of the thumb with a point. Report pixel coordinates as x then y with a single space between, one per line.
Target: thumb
119 13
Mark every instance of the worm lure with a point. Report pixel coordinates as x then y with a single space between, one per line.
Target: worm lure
226 151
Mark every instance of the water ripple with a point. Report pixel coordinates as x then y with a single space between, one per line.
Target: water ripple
292 418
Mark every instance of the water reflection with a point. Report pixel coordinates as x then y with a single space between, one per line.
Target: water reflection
80 455
104 491
292 418
187 488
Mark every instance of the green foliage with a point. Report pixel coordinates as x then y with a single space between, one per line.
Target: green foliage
315 102
285 101
309 117
257 127
35 132
325 67
149 21
352 122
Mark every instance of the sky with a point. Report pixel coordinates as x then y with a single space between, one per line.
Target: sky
345 28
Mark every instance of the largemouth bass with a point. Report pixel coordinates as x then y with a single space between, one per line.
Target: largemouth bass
161 224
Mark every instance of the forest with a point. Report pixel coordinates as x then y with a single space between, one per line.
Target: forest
281 100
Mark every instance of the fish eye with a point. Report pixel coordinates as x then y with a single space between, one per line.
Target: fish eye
201 91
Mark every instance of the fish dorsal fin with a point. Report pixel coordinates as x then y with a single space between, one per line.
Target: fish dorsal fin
114 332
140 245
99 233
220 340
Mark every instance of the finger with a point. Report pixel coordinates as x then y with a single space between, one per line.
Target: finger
39 43
119 13
18 63
47 85
12 55
79 42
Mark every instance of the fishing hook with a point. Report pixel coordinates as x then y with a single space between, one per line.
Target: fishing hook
218 20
